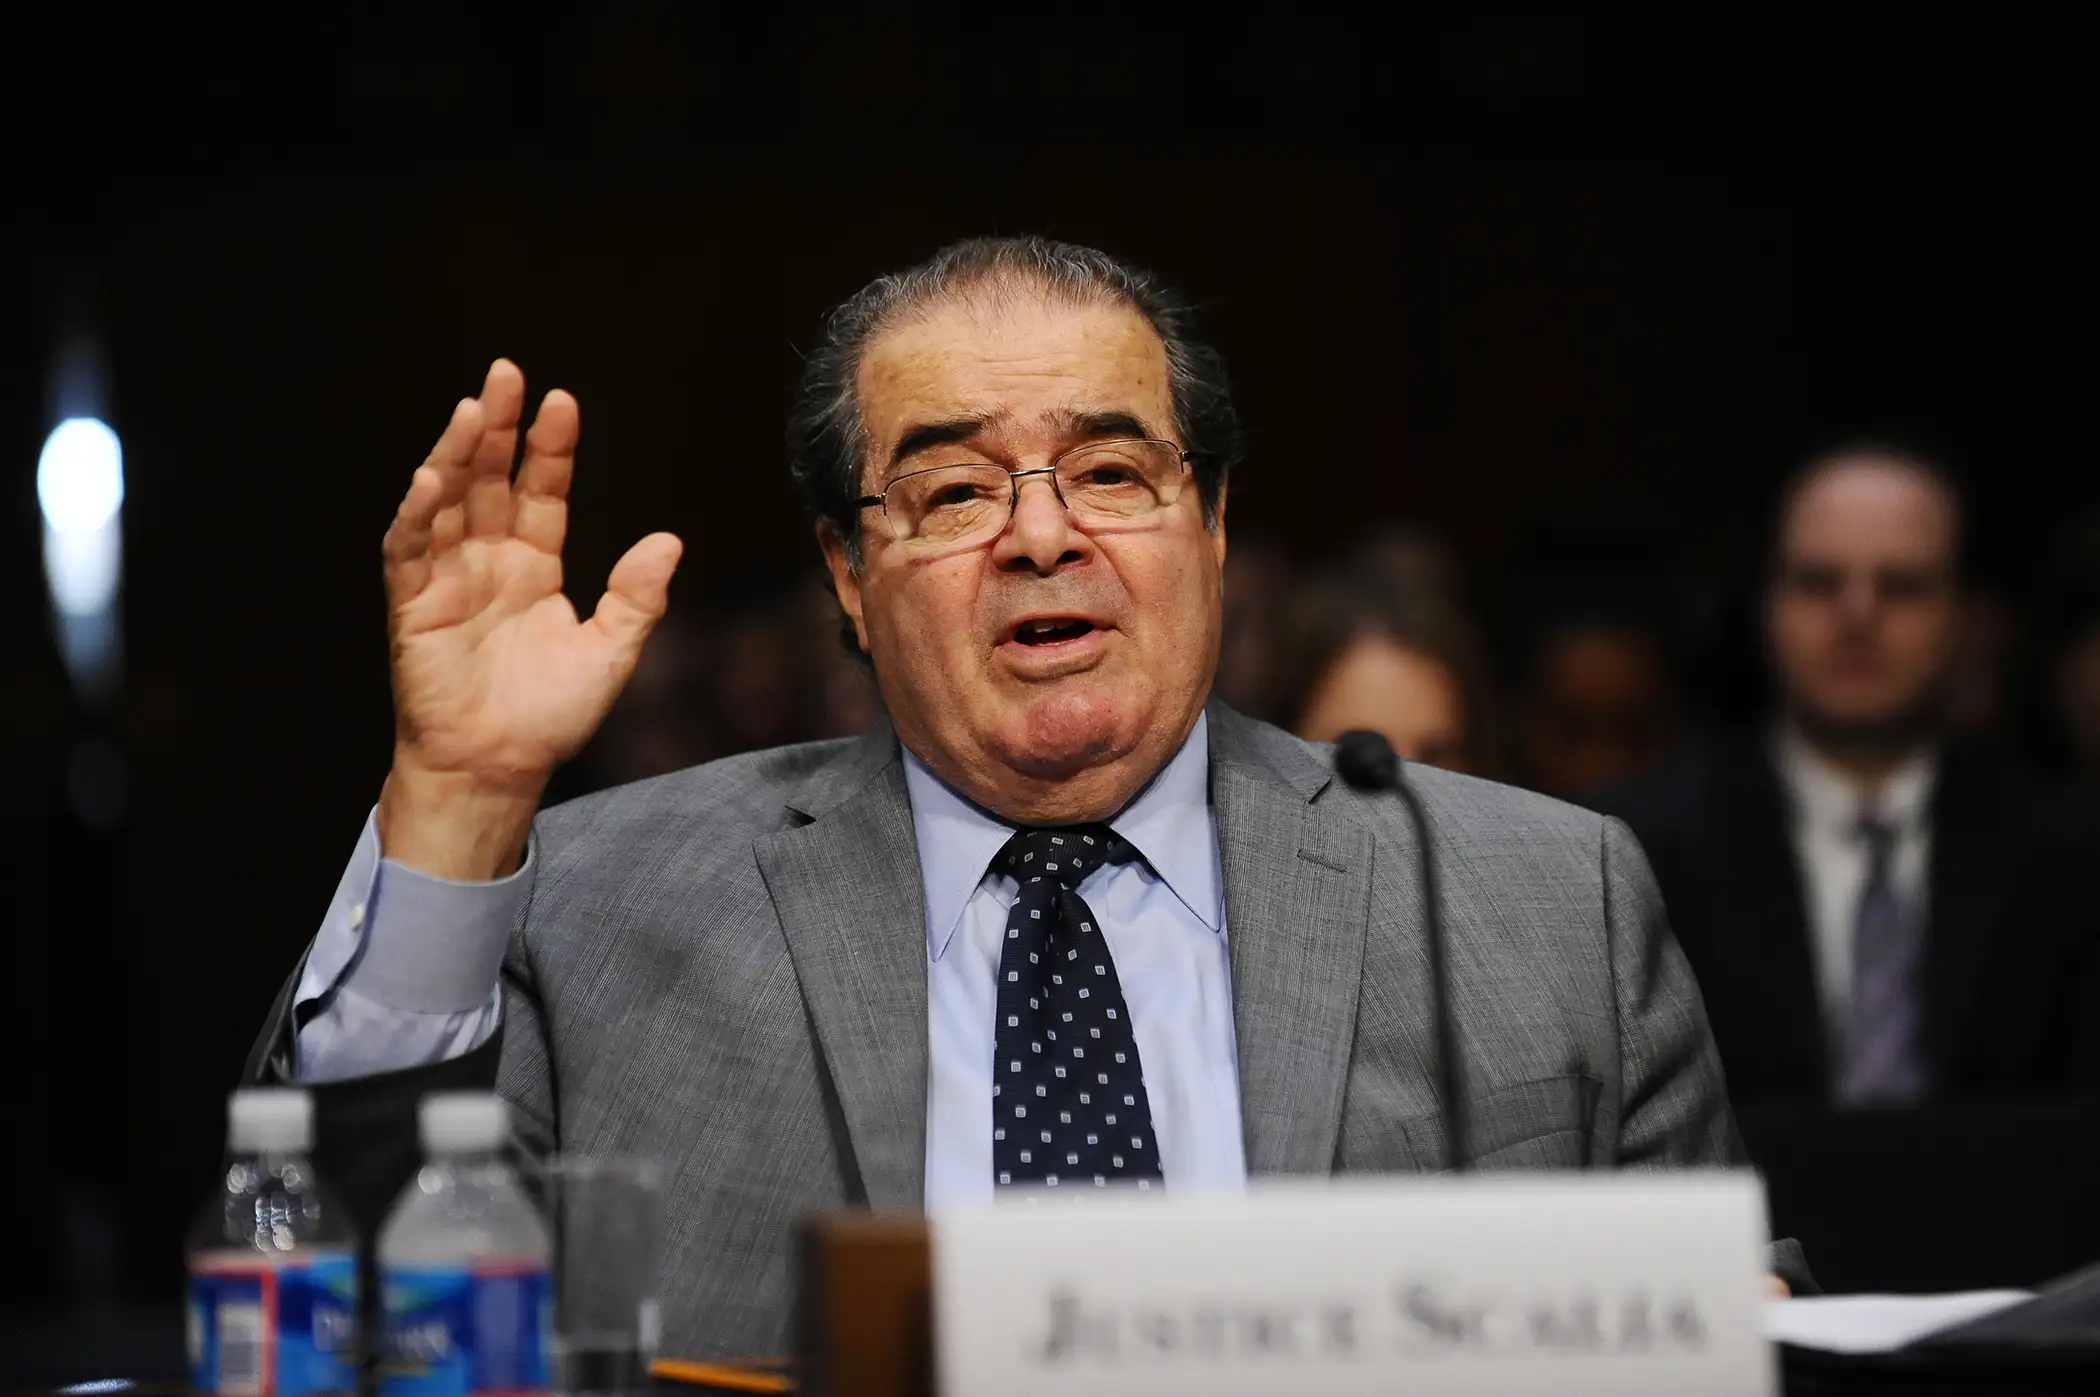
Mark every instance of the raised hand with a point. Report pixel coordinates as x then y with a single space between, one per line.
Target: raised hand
495 678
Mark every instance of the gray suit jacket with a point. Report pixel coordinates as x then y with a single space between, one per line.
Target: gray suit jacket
725 969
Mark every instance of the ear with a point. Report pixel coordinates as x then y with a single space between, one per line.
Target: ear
844 581
1217 528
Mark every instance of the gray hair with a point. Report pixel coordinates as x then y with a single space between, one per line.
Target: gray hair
827 439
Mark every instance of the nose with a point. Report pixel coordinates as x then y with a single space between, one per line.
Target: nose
1040 538
1857 598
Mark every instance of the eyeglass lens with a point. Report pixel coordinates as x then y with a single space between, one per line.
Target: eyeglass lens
1109 482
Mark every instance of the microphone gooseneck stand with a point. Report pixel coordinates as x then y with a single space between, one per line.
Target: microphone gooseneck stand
1368 763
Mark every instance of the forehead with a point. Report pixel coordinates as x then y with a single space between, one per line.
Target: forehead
1592 657
1870 507
1024 362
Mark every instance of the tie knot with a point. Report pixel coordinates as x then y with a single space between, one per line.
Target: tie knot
1877 834
1067 853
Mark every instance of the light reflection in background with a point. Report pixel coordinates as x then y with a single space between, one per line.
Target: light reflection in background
80 489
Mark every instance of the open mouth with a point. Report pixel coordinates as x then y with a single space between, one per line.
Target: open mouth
1051 630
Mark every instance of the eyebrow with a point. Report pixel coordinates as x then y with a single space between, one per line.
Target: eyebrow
1096 426
926 435
1100 425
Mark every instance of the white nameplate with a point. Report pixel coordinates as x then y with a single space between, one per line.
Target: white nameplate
1623 1284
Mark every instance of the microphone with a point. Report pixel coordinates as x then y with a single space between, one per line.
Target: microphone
1368 763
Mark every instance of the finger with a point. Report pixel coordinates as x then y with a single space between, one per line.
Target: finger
446 531
436 485
488 493
452 457
637 593
406 547
454 461
540 504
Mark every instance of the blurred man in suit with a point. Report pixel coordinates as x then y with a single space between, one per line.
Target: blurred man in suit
1055 920
1875 913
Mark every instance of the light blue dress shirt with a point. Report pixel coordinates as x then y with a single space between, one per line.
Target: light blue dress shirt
1164 921
404 972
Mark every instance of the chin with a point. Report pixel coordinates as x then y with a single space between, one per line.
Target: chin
1072 728
1883 726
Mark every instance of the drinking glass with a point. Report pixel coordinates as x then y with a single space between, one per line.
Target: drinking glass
607 1217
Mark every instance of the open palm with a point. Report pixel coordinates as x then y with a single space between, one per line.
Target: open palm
495 677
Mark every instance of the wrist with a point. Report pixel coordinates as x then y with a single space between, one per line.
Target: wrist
454 825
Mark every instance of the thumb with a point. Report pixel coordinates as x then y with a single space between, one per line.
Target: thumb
637 593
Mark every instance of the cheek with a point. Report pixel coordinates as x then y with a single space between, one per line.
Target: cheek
1930 637
1177 590
1796 623
919 613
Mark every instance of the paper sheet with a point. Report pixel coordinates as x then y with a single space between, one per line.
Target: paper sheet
1877 1323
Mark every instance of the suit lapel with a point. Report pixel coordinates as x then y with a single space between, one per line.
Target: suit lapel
1296 901
1964 890
848 892
1763 935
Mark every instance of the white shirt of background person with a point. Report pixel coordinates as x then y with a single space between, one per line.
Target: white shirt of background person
1827 806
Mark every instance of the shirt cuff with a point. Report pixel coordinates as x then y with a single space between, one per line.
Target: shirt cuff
407 940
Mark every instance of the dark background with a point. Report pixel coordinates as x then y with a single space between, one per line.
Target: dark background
1474 269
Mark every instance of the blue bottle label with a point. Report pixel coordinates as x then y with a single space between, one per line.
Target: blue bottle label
479 1328
263 1328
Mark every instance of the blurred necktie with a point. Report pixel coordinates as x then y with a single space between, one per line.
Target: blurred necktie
1883 1057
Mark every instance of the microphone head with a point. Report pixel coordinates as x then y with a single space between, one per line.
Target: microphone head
1366 761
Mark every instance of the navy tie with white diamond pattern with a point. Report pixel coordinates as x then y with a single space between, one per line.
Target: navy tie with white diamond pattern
1068 1091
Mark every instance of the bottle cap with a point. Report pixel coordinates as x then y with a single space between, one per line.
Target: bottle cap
453 1122
269 1118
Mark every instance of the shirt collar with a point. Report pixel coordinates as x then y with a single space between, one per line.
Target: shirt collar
1827 799
1169 822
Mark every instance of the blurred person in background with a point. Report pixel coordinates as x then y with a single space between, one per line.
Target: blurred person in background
767 669
2064 686
1594 701
1257 580
1360 652
1986 645
837 682
663 720
759 698
1879 914
2074 696
1413 560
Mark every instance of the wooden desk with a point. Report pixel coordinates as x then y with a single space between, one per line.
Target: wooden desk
866 1320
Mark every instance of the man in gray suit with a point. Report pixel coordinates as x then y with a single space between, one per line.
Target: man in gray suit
798 976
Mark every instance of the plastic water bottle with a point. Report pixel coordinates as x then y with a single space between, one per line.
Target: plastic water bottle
272 1263
463 1263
